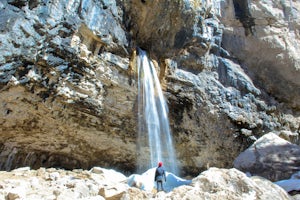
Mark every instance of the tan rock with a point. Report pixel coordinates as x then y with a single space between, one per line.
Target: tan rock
228 184
113 192
214 183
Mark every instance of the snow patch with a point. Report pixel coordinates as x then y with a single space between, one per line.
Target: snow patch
290 184
146 181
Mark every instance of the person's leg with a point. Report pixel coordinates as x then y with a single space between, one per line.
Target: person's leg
157 185
162 185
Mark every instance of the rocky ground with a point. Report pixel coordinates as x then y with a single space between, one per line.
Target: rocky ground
99 184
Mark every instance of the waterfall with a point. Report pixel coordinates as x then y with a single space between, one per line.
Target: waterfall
154 135
217 7
291 16
291 25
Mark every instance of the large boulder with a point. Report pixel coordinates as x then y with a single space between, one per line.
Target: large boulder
271 157
228 184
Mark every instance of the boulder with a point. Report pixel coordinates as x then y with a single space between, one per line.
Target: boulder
271 157
113 192
228 184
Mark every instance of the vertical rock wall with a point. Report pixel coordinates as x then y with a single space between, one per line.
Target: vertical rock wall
270 51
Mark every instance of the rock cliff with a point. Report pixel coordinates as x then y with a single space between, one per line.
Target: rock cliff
229 69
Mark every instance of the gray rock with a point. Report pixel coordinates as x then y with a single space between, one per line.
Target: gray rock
271 157
268 53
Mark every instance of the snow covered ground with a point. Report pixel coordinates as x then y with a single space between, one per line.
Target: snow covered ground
290 184
146 181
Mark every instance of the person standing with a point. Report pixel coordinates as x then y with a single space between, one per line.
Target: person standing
160 175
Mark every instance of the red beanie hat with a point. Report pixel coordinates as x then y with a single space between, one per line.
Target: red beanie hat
160 164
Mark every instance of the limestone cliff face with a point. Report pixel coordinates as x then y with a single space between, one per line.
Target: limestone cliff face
267 47
66 94
230 72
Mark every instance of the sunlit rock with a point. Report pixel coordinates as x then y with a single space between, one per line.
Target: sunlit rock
81 184
267 47
228 184
271 157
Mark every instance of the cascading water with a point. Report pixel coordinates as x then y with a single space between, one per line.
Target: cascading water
154 131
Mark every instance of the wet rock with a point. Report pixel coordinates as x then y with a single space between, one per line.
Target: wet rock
160 31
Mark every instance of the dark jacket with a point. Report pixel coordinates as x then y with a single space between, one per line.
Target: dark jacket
160 174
